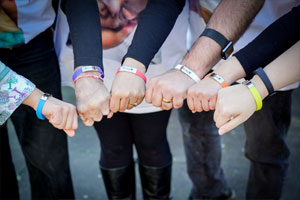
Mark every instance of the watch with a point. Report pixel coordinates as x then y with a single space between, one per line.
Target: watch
226 45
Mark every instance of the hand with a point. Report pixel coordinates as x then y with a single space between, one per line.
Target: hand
92 99
60 114
172 85
203 95
128 90
235 104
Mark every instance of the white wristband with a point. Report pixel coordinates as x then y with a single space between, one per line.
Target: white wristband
188 72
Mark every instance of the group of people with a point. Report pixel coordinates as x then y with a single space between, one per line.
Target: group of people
129 69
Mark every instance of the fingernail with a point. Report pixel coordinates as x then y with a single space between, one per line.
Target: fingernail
221 131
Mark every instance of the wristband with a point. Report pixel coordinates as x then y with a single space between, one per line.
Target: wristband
40 106
263 76
255 94
132 70
88 75
87 69
188 72
218 78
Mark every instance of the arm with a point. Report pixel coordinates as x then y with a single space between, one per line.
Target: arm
231 18
155 23
17 90
237 101
272 42
92 97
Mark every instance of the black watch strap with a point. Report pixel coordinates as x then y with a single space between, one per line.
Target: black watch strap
263 76
216 36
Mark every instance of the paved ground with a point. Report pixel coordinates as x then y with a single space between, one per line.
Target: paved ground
84 156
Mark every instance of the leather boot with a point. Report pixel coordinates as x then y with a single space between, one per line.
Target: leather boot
119 182
156 181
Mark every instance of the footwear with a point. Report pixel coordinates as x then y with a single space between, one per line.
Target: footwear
229 194
119 182
156 181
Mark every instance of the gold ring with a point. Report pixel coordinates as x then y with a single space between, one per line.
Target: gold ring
167 100
133 104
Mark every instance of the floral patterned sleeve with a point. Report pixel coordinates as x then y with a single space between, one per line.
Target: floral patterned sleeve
14 89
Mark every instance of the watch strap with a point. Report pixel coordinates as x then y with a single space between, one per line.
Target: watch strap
217 78
255 94
263 76
216 36
87 69
132 70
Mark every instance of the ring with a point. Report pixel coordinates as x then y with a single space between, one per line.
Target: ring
133 104
167 100
231 118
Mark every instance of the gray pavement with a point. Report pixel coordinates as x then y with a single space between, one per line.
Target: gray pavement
85 150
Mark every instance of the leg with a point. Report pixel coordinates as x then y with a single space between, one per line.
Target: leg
202 146
266 147
44 147
154 153
8 182
116 162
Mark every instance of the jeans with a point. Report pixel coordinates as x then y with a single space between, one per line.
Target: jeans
44 147
266 147
202 146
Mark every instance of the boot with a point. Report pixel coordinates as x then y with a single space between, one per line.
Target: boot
156 181
119 182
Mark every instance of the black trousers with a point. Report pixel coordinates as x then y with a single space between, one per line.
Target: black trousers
146 131
44 147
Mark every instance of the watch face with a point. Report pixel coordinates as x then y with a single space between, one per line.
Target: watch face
228 49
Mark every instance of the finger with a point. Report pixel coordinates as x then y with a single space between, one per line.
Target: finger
97 116
178 102
69 119
198 105
75 121
123 104
223 118
88 122
212 103
205 105
166 105
110 115
157 99
133 102
190 103
104 108
149 93
115 103
69 132
231 124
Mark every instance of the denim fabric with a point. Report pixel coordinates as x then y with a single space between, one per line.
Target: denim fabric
44 147
266 147
202 146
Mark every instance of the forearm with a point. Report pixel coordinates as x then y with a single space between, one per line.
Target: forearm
283 71
155 23
85 29
231 18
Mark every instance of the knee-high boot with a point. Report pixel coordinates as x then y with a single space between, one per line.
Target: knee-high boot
156 181
119 182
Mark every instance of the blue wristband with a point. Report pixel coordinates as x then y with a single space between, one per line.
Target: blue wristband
40 106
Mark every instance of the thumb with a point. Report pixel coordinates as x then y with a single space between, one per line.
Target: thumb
70 132
110 114
231 124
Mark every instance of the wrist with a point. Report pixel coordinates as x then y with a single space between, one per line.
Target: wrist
33 99
134 63
260 86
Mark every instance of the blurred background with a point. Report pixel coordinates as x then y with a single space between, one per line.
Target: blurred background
84 151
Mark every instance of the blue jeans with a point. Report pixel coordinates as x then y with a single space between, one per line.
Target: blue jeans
266 149
202 146
44 147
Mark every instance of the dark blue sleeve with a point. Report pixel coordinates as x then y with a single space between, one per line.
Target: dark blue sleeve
271 43
85 30
155 23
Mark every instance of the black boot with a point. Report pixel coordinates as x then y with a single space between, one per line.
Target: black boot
119 182
156 181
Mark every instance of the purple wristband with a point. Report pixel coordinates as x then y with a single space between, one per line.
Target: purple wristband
87 69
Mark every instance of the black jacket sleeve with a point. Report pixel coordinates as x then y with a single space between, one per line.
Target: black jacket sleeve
85 29
271 43
155 23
